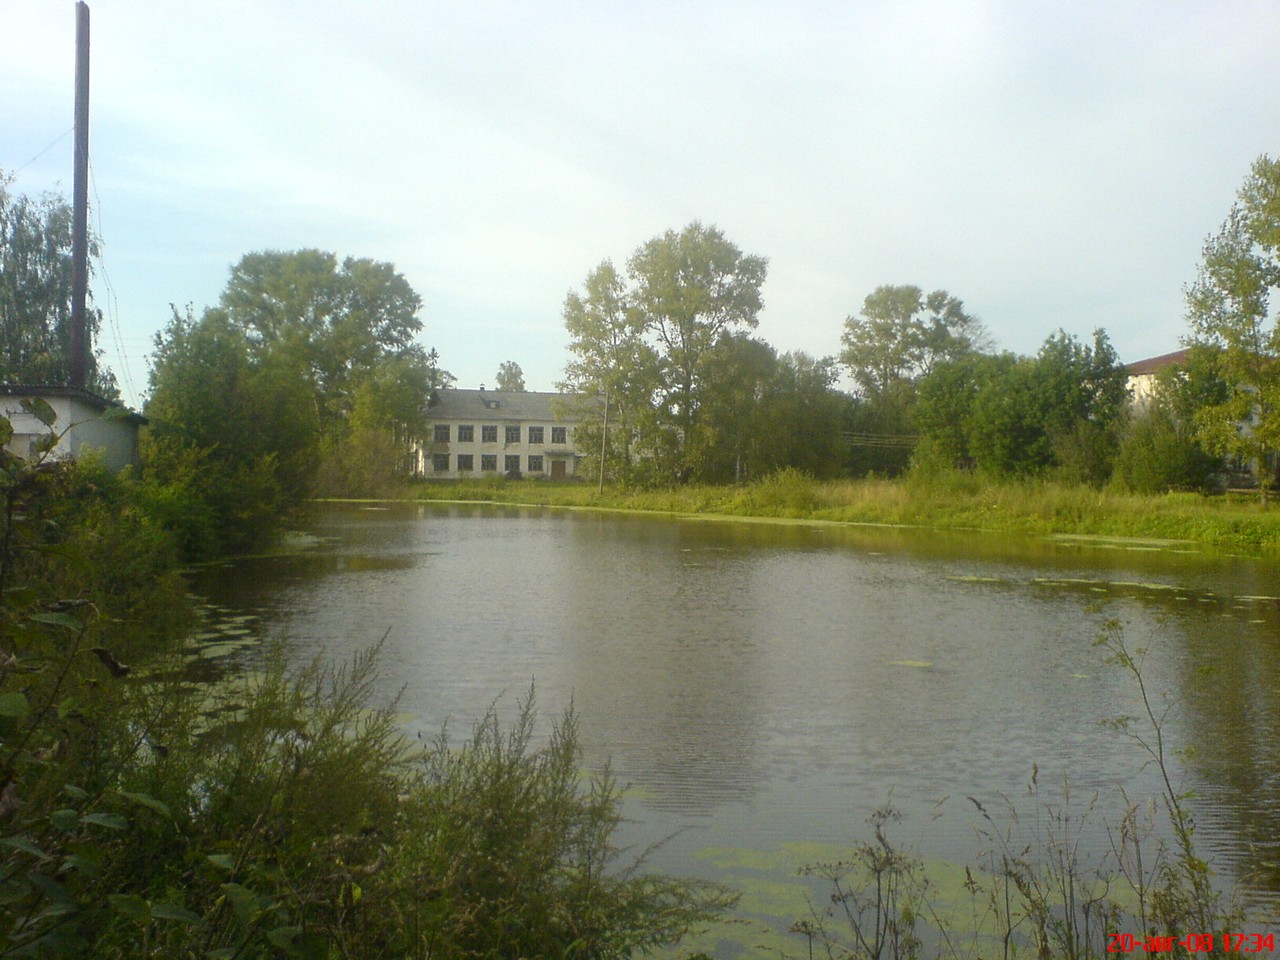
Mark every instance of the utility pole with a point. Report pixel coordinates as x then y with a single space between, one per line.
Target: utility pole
80 203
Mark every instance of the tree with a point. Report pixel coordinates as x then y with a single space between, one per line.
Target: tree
302 365
901 335
510 377
614 370
335 323
1062 410
644 343
1228 307
35 295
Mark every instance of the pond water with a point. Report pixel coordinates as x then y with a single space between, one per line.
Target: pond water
761 688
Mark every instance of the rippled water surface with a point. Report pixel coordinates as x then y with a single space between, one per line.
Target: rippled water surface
763 687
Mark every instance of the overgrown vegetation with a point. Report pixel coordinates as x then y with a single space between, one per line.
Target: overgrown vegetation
278 811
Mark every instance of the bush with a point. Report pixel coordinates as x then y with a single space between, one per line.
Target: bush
1156 456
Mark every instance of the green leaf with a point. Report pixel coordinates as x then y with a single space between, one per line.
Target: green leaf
173 911
14 704
151 803
112 821
74 792
25 845
223 861
65 820
39 408
58 620
283 937
51 889
131 906
44 443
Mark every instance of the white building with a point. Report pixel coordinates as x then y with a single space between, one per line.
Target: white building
486 433
1142 376
84 421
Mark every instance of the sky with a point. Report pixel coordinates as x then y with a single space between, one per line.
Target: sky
1052 165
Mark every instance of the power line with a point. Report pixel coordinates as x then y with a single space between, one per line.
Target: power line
113 308
53 144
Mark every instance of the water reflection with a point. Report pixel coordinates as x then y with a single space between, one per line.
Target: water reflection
770 683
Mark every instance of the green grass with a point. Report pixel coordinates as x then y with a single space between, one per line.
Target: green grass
949 502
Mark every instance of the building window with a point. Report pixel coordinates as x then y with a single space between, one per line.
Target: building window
512 463
559 435
466 433
513 434
466 463
535 434
489 433
440 462
442 433
489 461
535 464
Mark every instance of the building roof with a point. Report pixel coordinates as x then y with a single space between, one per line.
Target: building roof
455 404
1155 364
100 404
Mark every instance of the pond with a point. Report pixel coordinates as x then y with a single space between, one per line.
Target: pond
762 688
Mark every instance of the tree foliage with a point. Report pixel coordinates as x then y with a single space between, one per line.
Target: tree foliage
1229 308
305 369
510 377
901 335
1062 410
35 295
645 343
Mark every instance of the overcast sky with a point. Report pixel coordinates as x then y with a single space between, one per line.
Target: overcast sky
1053 165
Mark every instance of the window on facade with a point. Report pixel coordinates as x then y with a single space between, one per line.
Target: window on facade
535 434
559 435
442 433
513 434
466 463
489 461
489 433
466 433
535 464
512 464
440 462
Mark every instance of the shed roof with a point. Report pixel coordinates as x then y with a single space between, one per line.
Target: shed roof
101 404
1154 364
457 404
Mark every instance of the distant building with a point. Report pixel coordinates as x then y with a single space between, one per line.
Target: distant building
85 421
486 433
1142 376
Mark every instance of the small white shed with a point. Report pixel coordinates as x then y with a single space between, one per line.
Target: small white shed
84 420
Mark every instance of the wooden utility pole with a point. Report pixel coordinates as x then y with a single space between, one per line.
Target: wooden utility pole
80 204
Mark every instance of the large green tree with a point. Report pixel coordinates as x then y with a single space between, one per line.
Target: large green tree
335 322
35 295
1229 308
1062 410
645 341
305 369
900 335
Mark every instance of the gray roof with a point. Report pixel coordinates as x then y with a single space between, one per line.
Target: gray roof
454 404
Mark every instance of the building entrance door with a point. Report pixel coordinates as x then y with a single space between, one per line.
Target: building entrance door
557 469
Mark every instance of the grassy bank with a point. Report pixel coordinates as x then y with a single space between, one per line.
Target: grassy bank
952 502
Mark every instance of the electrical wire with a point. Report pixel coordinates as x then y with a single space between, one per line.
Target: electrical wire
112 307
